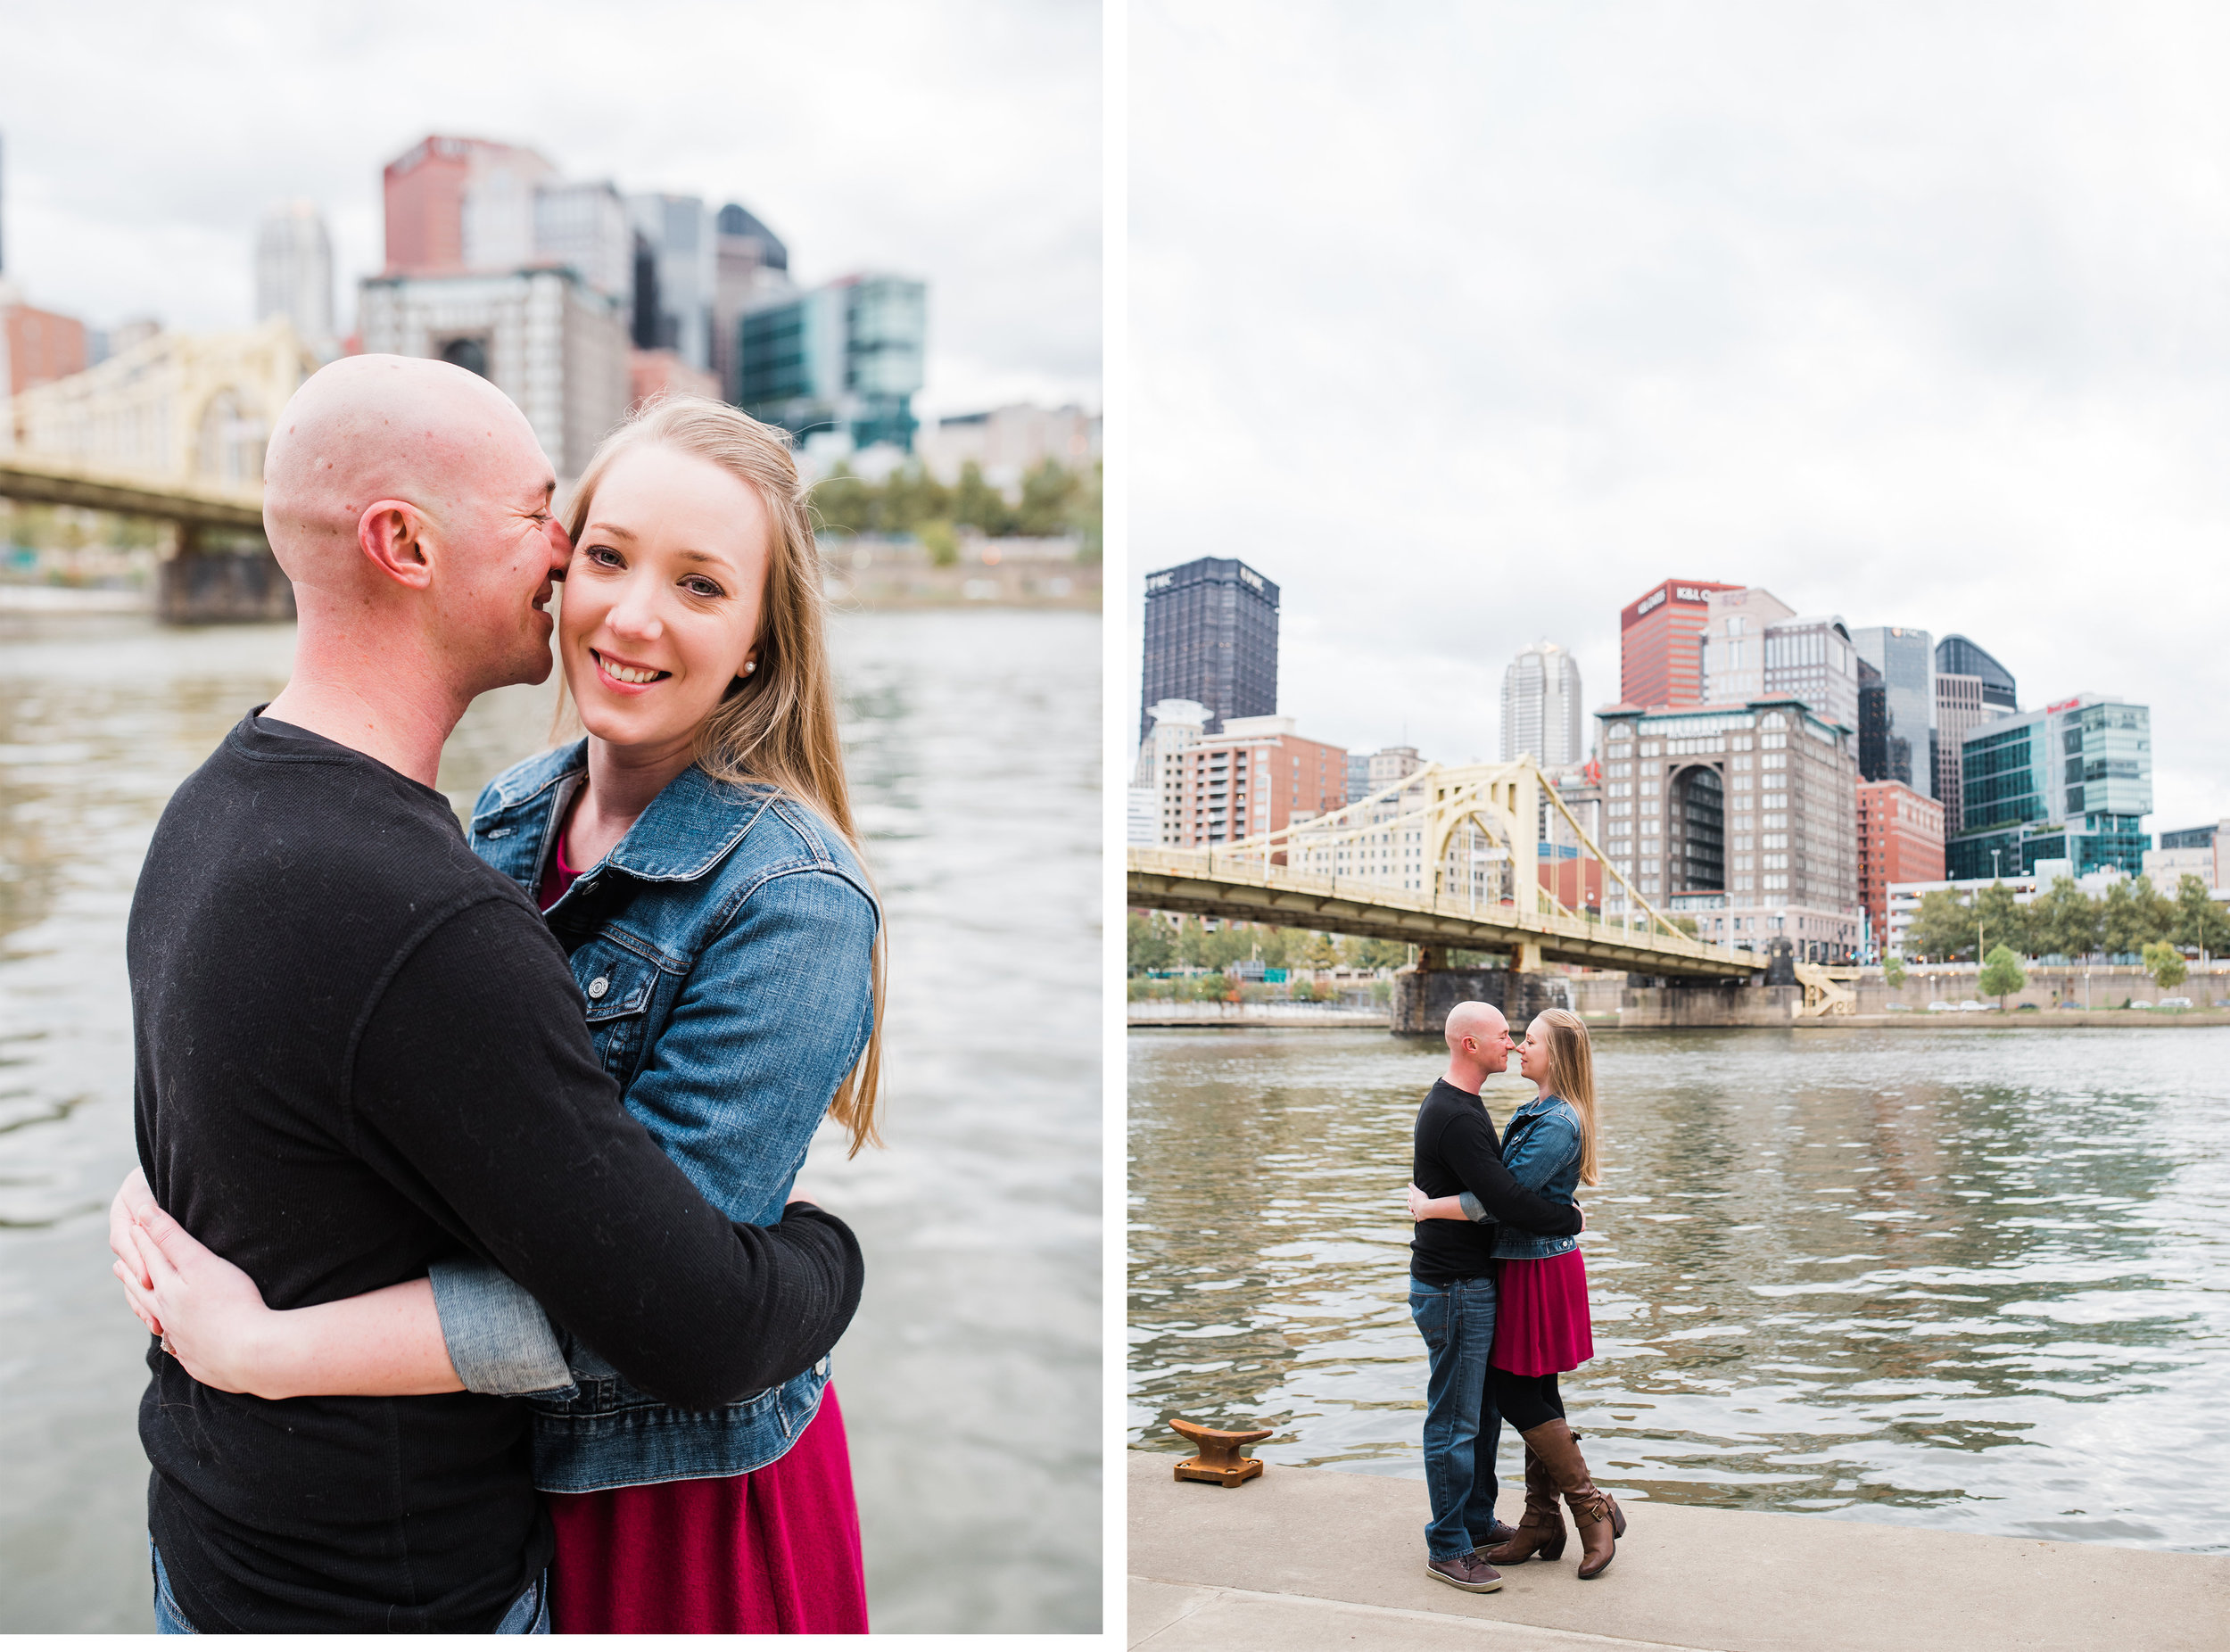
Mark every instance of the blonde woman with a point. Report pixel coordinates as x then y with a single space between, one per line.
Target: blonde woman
695 854
1541 1321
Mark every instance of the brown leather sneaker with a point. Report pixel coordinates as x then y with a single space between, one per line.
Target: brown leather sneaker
1467 1572
1497 1534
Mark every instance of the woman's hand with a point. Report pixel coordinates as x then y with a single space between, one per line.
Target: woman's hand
134 1191
209 1314
1417 1202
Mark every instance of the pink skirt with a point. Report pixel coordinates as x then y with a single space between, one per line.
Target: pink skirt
1540 1315
774 1552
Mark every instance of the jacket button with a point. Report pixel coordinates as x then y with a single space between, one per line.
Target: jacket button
598 986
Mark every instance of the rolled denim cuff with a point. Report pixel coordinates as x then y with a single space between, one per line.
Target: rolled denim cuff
1473 1208
499 1338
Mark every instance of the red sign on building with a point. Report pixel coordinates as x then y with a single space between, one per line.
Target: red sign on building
1660 649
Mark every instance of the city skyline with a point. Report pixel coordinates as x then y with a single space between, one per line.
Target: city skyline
968 157
1768 300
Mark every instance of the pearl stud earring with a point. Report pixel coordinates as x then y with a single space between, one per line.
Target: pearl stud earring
750 666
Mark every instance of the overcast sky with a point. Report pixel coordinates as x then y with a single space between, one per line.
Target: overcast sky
958 141
1468 331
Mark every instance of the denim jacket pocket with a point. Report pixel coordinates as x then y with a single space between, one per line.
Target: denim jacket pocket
616 988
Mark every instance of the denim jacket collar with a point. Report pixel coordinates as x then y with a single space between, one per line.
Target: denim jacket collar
687 830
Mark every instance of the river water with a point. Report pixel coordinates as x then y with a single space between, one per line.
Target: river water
973 741
1964 1279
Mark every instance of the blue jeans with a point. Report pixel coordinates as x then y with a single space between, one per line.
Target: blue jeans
1462 1427
529 1614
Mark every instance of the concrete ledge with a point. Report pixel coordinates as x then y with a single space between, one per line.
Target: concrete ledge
1313 1558
1145 1012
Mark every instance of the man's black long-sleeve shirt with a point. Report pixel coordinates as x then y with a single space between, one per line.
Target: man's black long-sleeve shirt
1456 1150
360 1050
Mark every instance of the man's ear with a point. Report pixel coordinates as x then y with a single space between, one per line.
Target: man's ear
391 533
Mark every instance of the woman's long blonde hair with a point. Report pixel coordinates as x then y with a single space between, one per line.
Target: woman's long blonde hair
1572 1076
777 726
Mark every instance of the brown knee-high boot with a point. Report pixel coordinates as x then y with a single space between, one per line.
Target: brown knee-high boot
1541 1530
1595 1512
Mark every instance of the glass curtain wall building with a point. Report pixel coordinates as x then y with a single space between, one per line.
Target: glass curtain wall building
1906 662
847 357
1211 636
1963 658
2072 782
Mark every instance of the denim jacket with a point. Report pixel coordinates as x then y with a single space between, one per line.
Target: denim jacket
1541 1150
723 951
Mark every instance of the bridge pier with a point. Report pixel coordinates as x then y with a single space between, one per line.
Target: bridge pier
1424 994
194 586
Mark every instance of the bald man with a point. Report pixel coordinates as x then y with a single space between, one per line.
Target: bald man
361 1053
1452 1298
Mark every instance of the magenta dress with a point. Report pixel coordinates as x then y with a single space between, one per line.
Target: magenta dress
1542 1316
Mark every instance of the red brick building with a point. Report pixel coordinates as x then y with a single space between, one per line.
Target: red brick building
38 346
1660 649
1900 840
1254 777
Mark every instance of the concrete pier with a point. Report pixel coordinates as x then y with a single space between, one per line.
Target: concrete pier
224 589
1423 994
1303 1558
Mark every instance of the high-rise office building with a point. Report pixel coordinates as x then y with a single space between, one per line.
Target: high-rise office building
845 357
1906 662
1211 636
1958 708
1963 658
1810 657
293 272
1971 689
1541 707
1660 655
460 203
1741 816
1732 645
1873 724
542 337
750 268
584 226
1751 645
2072 782
674 239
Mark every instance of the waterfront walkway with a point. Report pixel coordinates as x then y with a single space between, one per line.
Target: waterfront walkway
1303 1558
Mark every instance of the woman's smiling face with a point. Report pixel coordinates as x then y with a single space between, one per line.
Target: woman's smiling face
662 597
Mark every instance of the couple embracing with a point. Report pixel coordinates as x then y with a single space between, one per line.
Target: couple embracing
466 1235
1499 1294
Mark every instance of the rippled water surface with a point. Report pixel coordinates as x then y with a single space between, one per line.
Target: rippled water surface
973 742
1967 1279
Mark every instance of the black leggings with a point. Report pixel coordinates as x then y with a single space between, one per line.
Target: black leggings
1525 1402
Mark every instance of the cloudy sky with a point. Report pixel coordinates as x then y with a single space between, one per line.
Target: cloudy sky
1469 330
954 139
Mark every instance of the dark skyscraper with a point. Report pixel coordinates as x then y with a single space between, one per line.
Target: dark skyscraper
1873 723
1956 656
1907 665
1211 636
